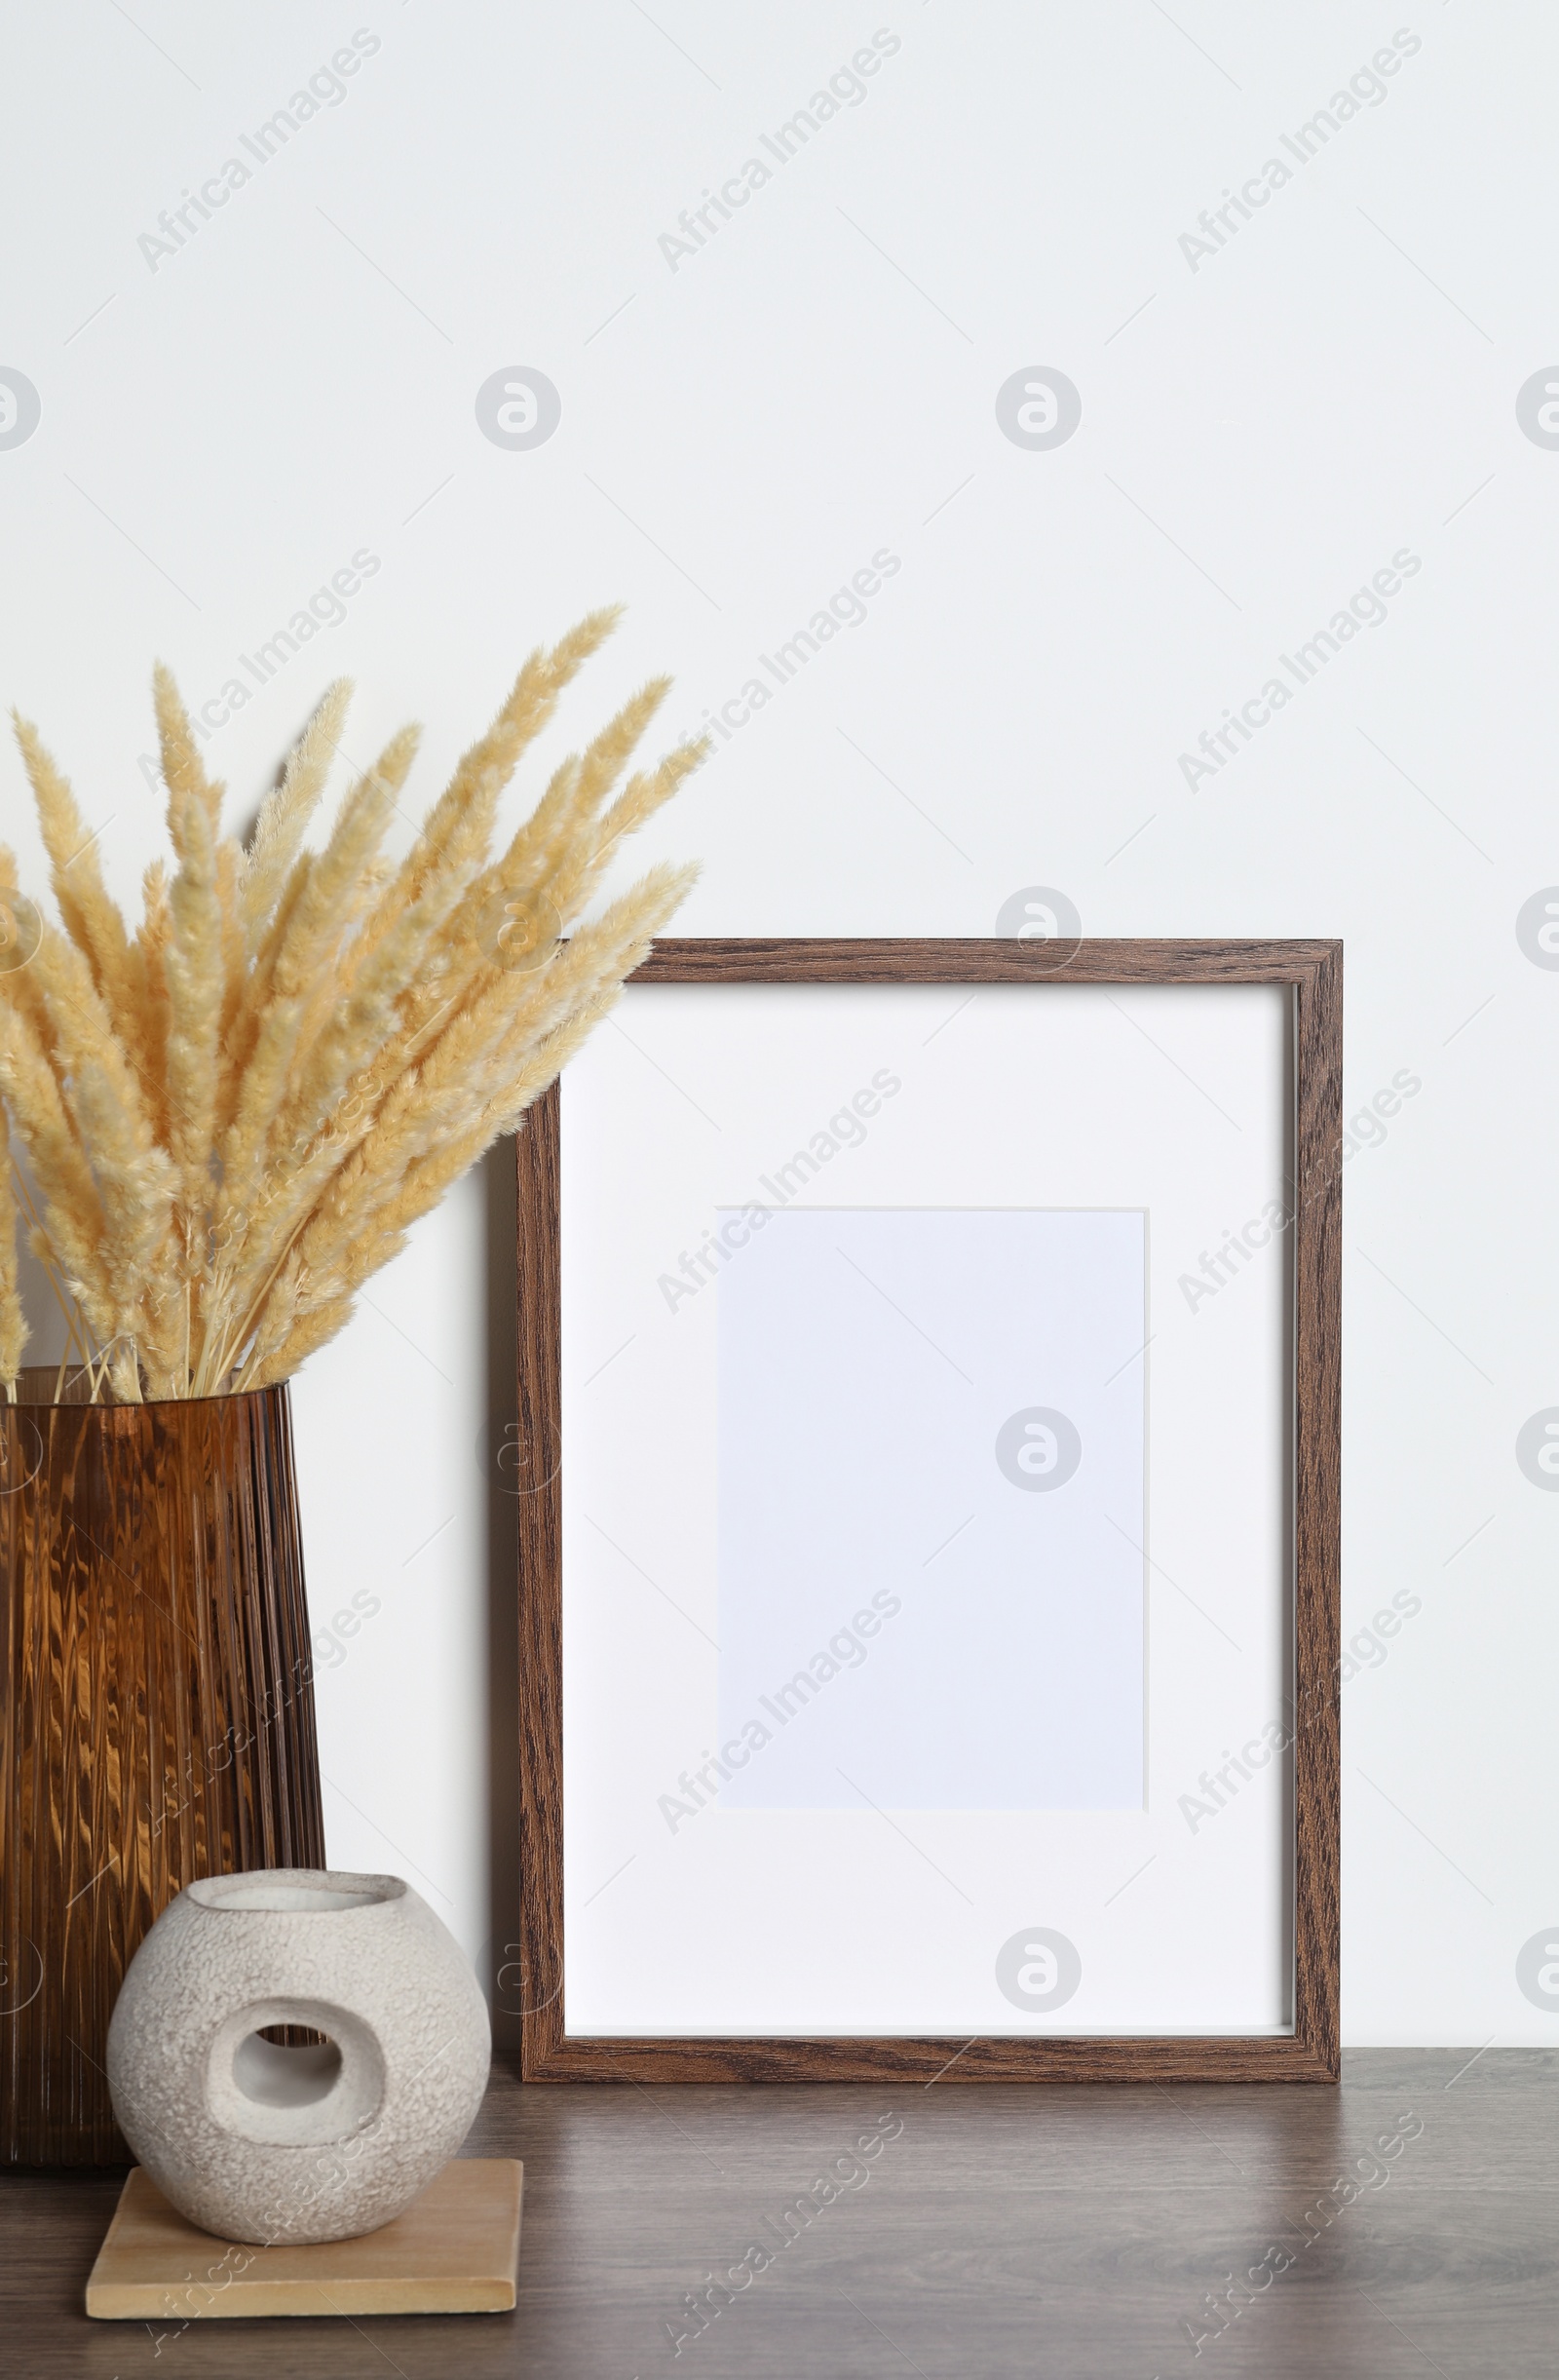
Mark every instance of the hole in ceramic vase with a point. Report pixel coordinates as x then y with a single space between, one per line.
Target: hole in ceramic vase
275 2077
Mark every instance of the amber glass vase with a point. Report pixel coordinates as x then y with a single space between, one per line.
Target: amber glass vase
156 1713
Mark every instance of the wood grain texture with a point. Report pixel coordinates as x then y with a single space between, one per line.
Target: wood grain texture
455 2251
538 1467
1317 1260
1313 971
986 959
1070 2234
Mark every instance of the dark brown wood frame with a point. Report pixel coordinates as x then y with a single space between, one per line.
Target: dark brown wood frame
1310 2053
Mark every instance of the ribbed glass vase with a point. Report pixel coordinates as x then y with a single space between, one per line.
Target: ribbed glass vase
156 1713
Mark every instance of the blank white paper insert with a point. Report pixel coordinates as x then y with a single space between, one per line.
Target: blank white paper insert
932 1527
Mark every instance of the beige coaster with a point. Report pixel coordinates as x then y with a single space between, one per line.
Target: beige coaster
455 2251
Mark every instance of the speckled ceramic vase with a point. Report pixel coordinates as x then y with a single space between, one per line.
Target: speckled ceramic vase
256 2141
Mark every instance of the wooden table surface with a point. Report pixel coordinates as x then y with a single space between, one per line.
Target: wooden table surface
1084 2232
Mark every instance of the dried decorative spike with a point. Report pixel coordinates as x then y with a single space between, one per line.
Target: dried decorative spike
235 1114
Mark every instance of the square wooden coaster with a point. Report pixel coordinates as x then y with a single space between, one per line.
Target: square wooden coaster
455 2251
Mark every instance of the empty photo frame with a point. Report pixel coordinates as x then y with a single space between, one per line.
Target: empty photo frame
927 1469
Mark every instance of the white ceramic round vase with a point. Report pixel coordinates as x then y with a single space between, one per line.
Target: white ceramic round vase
256 2141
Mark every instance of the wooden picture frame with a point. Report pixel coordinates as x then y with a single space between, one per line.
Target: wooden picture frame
1313 971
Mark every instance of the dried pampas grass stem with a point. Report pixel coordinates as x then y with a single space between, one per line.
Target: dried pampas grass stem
235 1114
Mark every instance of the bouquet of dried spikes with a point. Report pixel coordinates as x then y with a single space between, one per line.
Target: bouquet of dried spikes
233 1116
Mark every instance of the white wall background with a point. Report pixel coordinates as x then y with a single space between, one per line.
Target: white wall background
1259 435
